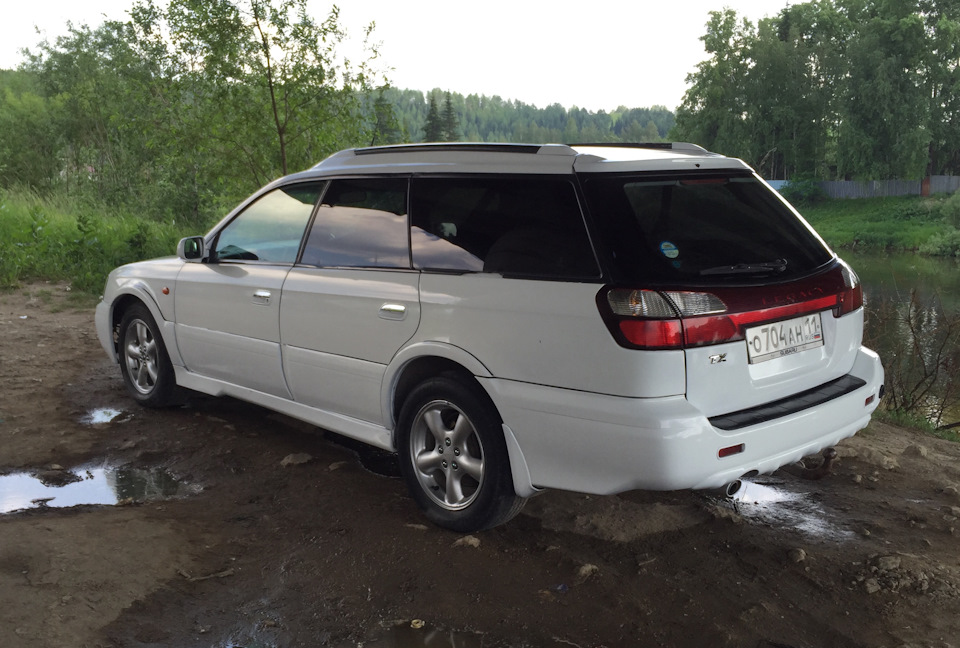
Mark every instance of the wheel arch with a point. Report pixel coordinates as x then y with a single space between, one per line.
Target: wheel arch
414 364
139 293
417 363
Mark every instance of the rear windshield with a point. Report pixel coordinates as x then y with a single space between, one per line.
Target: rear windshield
704 230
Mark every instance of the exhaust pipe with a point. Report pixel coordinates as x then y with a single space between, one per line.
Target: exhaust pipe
732 489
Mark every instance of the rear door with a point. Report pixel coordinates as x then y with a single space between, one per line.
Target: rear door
726 235
352 301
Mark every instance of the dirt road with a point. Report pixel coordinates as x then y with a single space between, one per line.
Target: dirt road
238 527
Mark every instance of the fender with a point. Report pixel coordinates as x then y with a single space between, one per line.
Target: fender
146 294
518 464
413 352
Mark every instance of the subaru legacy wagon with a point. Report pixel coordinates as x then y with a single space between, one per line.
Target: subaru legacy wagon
512 318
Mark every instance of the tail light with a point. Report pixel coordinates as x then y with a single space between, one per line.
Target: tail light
677 319
852 297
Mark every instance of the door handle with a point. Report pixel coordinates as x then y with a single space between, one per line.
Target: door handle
261 297
393 311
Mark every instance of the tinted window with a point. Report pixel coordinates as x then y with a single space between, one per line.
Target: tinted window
361 223
700 229
524 226
271 228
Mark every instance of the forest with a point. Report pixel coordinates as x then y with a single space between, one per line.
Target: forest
832 90
190 105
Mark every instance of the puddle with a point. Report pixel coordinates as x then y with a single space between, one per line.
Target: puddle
404 636
777 506
101 415
94 485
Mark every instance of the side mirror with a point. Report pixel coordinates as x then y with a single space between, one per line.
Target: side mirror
192 249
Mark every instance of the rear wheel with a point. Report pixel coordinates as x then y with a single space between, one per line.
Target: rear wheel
453 456
146 367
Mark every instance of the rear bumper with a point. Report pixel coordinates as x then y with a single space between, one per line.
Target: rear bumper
600 444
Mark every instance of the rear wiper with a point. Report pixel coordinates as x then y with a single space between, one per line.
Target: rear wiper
777 265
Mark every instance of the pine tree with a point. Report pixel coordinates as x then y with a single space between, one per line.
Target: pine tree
433 129
451 124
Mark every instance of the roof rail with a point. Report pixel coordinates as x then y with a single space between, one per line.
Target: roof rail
667 146
474 147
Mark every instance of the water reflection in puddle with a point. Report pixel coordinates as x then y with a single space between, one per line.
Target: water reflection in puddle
404 636
101 415
95 485
767 503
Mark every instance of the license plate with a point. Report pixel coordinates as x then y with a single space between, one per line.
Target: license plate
779 339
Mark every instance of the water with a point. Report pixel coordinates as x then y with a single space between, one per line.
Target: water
405 636
910 347
101 415
767 502
896 275
93 485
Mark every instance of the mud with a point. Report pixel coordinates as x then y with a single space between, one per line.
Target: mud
325 549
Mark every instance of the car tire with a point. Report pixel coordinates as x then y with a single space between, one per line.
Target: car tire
453 456
147 371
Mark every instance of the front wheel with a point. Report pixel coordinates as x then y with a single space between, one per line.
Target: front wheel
453 456
147 372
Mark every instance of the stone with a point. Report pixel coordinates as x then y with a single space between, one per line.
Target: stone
916 450
871 585
797 555
586 571
295 459
888 563
468 541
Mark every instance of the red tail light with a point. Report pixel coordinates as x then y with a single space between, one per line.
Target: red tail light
677 319
852 297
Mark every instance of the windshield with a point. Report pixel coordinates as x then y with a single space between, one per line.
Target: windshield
705 230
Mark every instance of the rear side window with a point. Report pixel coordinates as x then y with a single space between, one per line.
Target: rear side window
528 226
360 223
702 230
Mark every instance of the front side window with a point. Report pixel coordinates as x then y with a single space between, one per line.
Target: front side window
361 223
271 228
528 226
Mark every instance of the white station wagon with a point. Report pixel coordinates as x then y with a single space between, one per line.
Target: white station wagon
511 318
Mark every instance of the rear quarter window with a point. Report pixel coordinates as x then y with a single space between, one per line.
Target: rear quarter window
525 226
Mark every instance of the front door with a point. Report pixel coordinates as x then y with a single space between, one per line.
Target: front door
227 310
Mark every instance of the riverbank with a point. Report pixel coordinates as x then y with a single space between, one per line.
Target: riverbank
904 223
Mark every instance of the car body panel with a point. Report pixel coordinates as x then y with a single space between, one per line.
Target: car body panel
765 382
340 328
228 323
523 331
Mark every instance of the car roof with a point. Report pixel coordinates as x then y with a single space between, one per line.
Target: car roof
522 158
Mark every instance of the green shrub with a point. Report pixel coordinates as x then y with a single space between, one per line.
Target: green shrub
54 238
942 244
950 209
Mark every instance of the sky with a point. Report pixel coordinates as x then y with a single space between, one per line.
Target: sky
596 55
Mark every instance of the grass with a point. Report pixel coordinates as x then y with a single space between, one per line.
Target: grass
915 421
902 223
58 239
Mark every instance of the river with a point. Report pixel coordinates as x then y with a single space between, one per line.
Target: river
914 341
